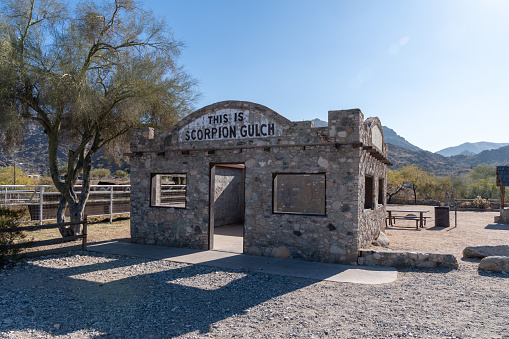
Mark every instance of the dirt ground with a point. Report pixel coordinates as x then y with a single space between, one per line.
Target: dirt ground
472 228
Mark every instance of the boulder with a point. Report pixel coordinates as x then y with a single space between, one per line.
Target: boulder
382 240
486 251
495 264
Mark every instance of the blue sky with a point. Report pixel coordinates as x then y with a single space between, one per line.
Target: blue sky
435 71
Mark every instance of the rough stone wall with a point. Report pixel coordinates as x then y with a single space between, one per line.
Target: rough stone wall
504 216
330 238
373 220
336 151
406 259
176 227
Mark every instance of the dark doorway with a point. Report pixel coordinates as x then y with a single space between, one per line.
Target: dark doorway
227 207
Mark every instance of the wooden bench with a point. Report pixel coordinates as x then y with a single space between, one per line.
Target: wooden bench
409 217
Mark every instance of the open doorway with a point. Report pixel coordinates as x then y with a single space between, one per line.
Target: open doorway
227 205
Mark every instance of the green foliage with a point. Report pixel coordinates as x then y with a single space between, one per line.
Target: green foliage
7 177
87 74
120 174
421 183
479 182
395 184
100 173
485 188
460 187
481 172
418 180
8 240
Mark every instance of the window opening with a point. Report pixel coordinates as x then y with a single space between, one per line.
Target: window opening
168 190
381 191
368 192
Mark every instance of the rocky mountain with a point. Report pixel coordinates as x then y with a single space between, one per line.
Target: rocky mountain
469 148
429 161
320 123
446 166
391 137
32 156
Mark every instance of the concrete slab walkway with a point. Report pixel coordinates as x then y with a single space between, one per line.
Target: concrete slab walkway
285 267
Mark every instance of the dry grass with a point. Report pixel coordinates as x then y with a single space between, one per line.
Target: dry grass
99 230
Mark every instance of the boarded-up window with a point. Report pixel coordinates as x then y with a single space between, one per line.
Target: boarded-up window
299 193
368 192
168 190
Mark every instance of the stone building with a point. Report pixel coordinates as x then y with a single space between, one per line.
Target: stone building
300 192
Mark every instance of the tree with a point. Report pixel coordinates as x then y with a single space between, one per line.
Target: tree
395 184
120 174
482 171
417 178
100 173
481 181
87 75
7 177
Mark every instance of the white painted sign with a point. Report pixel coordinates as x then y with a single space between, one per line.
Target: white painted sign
228 124
376 137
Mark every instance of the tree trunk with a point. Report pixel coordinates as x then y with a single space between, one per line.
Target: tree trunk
64 231
76 213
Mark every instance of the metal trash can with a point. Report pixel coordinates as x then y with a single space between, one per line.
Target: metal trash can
442 216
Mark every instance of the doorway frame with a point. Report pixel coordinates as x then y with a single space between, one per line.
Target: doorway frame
212 185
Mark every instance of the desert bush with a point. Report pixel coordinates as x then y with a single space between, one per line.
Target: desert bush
100 173
120 174
466 204
481 203
8 240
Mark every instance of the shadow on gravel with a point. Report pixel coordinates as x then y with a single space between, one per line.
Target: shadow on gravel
437 228
493 274
474 260
403 228
159 304
71 246
440 270
498 226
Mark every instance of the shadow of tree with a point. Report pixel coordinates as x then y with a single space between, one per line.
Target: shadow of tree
159 303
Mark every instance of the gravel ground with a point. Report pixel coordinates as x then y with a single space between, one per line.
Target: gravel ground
87 295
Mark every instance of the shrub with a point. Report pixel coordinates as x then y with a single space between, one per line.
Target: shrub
100 173
120 174
8 247
481 203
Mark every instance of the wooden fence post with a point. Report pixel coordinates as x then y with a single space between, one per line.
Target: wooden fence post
111 204
41 203
85 224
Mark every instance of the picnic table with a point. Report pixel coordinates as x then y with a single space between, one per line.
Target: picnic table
420 220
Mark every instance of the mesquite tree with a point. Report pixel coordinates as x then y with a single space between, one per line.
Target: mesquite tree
87 75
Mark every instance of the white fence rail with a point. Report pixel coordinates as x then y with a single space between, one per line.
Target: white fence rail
41 201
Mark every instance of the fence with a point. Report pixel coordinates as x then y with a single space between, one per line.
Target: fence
41 201
82 236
